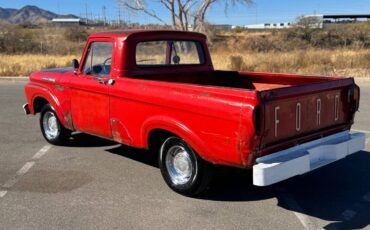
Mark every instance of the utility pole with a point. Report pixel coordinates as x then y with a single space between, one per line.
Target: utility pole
86 14
119 15
104 16
92 18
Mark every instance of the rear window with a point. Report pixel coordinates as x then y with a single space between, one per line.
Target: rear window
169 53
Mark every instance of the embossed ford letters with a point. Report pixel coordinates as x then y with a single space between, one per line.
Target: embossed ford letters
298 114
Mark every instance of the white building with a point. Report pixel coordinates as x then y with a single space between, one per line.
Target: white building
265 26
66 21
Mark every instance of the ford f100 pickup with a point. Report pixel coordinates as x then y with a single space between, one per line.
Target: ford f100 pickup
158 90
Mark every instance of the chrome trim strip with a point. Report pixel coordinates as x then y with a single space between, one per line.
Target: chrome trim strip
48 79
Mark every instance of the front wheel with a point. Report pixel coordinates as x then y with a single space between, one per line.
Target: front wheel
51 128
182 169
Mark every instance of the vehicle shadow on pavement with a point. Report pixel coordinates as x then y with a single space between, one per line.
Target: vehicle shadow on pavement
139 155
324 194
335 193
86 140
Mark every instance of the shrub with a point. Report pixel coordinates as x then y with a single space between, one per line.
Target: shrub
237 63
75 34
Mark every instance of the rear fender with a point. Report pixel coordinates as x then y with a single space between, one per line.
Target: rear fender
171 125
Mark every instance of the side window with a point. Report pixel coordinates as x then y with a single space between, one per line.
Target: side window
154 53
151 53
185 52
99 59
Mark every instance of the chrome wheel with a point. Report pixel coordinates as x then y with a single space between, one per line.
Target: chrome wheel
50 125
179 165
182 168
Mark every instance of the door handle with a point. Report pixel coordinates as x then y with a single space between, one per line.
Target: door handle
101 81
110 82
106 82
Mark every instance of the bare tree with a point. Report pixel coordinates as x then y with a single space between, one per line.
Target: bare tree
309 22
185 14
305 26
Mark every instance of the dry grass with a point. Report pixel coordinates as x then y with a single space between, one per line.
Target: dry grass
326 52
312 61
24 64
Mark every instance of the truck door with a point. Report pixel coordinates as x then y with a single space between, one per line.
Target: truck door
89 91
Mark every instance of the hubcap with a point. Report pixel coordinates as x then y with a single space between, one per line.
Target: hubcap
50 125
179 165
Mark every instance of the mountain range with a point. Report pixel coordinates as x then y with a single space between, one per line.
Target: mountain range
29 14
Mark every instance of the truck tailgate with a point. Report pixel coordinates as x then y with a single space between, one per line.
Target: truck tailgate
294 113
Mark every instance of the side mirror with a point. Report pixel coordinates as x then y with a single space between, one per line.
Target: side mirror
75 65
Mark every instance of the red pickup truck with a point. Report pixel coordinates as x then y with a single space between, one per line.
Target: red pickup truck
158 90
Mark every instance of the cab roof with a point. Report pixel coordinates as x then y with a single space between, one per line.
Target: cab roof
127 34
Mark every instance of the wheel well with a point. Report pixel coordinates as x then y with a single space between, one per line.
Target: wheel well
157 137
38 103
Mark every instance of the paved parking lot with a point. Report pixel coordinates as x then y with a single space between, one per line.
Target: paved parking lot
97 184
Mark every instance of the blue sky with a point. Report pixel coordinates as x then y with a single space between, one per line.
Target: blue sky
261 11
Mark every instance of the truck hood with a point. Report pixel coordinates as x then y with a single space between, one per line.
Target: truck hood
54 75
57 70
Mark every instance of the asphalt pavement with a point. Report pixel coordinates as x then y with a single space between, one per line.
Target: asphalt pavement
96 184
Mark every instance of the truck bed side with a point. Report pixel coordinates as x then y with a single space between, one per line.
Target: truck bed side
216 122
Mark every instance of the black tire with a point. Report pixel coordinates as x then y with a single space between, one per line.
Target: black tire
57 135
197 178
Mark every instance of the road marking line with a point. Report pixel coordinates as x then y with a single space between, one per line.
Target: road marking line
366 197
362 131
304 219
298 211
3 193
42 152
25 168
348 214
11 182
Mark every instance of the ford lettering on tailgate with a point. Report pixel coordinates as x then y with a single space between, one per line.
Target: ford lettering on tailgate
301 115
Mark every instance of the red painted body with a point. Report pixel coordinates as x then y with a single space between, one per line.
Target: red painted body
227 117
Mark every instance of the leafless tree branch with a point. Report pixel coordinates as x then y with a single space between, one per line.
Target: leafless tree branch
182 11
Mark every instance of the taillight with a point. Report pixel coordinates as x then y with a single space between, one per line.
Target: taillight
350 94
354 97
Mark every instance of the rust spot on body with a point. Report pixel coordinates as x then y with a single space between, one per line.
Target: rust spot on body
120 132
68 120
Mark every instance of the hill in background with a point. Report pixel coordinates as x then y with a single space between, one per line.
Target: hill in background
29 14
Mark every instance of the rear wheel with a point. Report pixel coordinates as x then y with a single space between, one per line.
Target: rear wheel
51 128
182 169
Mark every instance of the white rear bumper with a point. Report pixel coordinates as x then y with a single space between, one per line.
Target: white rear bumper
304 158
